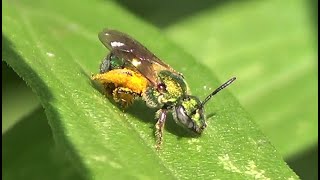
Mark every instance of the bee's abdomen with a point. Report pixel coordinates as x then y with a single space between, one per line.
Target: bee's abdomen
124 78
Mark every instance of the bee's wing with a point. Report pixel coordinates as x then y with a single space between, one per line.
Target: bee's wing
133 52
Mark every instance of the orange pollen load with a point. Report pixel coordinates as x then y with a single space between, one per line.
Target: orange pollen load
124 78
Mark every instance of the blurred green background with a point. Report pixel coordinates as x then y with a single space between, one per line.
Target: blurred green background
271 46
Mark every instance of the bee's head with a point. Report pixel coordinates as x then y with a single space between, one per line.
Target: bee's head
189 112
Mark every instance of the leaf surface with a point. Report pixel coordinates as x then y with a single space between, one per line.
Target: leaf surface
53 45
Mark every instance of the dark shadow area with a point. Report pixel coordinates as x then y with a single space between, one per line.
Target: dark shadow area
29 151
305 164
9 75
24 70
13 90
162 13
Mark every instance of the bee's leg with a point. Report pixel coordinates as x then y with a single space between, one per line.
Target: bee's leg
109 88
161 115
124 96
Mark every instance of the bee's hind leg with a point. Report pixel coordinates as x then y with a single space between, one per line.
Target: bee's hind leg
124 96
161 115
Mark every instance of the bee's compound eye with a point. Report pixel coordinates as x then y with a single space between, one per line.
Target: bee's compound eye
105 65
182 117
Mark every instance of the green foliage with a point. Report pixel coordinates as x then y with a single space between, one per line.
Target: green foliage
270 46
274 56
29 151
53 46
15 94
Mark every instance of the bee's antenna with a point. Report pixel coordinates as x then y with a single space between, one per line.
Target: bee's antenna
224 85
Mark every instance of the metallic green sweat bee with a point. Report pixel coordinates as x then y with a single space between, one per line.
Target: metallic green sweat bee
131 71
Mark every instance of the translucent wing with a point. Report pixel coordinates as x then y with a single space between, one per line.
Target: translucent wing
125 47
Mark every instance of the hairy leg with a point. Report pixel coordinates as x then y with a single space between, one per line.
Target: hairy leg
162 114
124 96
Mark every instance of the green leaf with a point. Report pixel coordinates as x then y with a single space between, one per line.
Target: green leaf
14 90
40 158
271 47
53 45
